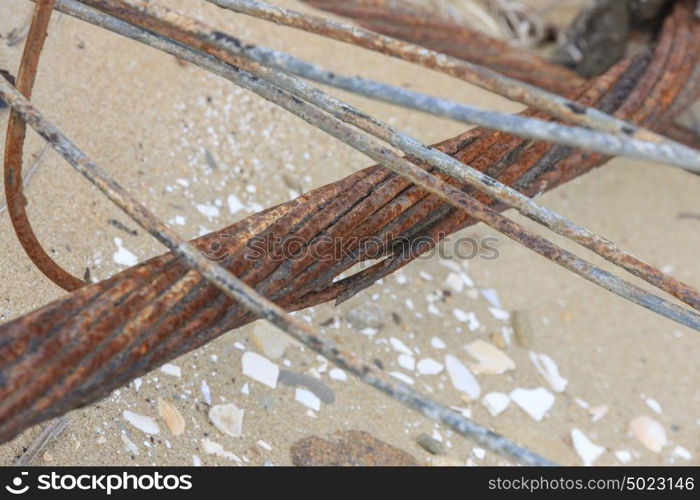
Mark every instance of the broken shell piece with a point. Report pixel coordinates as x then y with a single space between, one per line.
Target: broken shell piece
228 419
491 360
649 432
491 296
586 449
269 340
623 456
496 402
307 398
535 402
467 317
597 412
141 422
454 282
549 370
429 366
681 452
260 368
173 418
461 378
172 370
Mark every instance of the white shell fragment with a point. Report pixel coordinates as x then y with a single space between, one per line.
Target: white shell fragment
586 449
235 205
623 456
654 405
172 370
307 398
461 378
535 402
496 402
407 362
491 296
403 377
429 366
228 419
437 343
123 256
597 412
454 282
400 347
499 313
338 374
681 452
214 448
467 317
490 359
141 422
206 392
649 432
209 211
260 368
549 370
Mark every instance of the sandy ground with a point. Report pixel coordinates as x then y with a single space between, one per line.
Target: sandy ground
150 122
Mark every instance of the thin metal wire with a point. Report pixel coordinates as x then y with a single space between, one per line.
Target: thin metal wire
560 107
400 165
409 145
251 299
523 126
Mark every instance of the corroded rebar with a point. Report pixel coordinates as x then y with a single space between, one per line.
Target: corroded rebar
395 20
189 31
213 272
559 107
14 147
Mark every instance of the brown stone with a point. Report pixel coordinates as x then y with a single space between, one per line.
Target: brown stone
348 448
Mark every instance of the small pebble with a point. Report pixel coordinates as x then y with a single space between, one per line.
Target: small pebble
430 444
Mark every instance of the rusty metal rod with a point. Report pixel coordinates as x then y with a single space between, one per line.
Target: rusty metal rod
559 107
421 178
524 126
189 27
14 148
252 300
399 20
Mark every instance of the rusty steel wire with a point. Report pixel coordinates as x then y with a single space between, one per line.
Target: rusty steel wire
181 300
170 20
557 106
192 31
14 146
530 127
249 298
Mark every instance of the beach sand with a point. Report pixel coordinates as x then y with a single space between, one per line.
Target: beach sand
183 142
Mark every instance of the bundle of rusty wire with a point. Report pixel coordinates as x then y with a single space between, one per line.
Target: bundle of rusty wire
100 336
